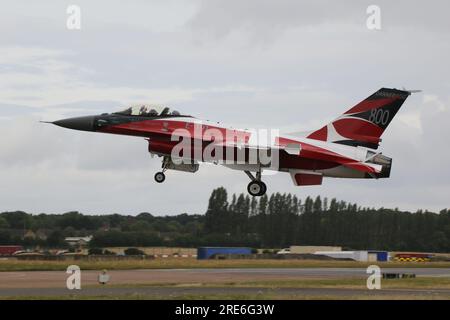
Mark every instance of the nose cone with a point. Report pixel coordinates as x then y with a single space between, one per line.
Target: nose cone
78 123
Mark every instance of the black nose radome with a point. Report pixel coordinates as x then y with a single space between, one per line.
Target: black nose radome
78 123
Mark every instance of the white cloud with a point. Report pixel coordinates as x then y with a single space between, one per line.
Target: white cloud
50 78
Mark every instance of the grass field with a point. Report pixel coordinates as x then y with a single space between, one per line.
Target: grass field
187 263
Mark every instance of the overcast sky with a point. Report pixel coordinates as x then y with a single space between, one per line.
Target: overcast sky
289 65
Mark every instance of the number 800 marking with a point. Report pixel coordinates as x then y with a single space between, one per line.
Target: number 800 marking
379 116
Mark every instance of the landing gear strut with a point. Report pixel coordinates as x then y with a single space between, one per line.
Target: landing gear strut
256 187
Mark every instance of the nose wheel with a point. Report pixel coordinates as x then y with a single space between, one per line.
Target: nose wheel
160 177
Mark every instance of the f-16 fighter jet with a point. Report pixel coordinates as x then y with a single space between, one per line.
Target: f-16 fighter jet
344 148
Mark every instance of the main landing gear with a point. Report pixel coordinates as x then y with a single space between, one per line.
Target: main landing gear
256 187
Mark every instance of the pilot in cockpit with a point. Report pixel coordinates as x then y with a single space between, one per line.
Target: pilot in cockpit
165 111
142 111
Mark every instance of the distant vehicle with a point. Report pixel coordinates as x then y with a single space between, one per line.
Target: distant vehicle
67 253
344 148
20 252
9 250
284 251
27 253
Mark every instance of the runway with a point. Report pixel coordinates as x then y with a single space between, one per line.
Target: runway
327 272
174 282
55 279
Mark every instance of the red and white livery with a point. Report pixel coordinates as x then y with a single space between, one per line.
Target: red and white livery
344 148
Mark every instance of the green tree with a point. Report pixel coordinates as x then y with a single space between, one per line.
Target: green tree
217 217
3 223
56 239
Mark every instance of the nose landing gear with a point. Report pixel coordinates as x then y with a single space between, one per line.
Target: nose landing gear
160 176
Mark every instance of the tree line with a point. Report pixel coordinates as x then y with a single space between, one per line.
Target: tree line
282 220
274 221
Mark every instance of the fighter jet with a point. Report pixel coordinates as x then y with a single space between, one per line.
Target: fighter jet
344 148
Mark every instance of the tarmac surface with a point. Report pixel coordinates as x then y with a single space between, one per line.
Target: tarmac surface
187 281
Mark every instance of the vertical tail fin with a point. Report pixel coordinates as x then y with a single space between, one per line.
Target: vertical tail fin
364 124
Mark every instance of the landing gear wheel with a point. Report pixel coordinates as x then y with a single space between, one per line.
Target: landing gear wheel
256 188
160 177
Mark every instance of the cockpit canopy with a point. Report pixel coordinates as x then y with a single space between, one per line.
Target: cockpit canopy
148 110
